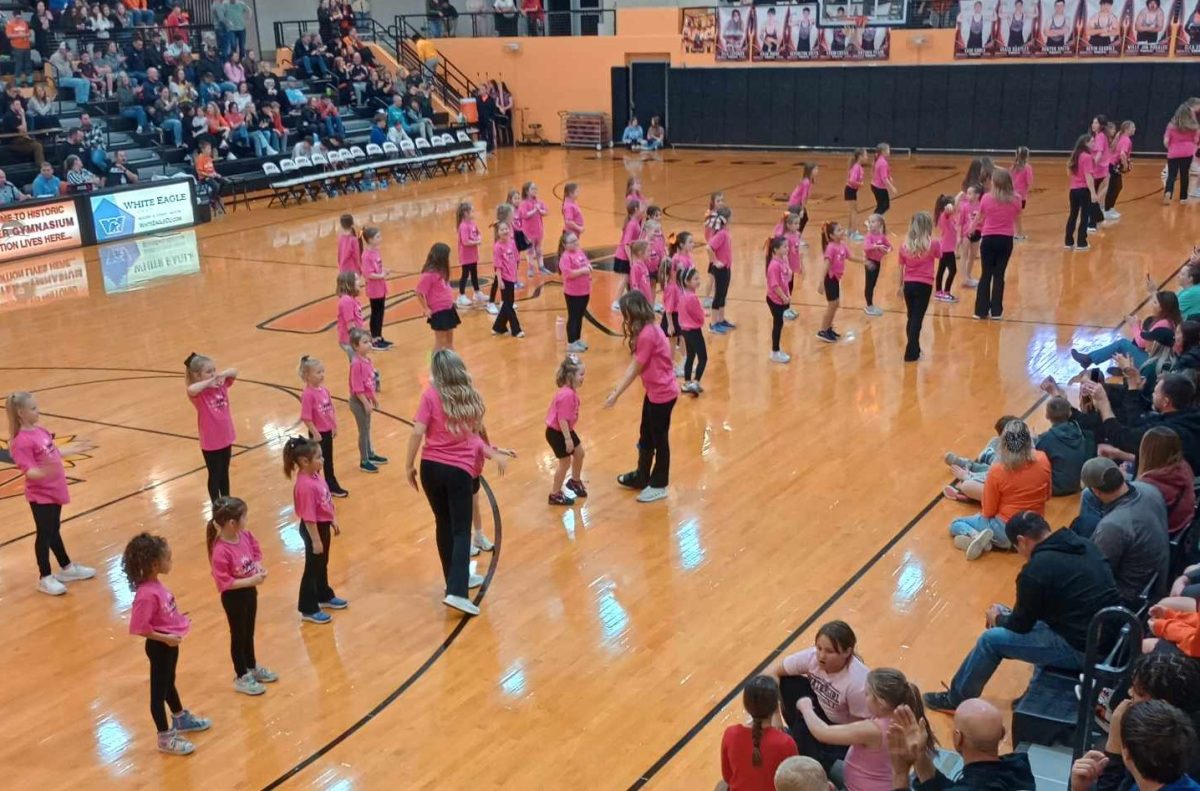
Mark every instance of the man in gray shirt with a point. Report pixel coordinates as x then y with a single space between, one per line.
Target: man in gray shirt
235 20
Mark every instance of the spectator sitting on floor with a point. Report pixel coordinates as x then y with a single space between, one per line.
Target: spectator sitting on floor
633 135
1157 744
965 469
656 135
1173 407
750 753
1064 583
801 773
118 173
1161 464
79 178
46 185
9 193
1066 445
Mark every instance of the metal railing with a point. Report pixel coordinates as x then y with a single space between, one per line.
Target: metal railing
96 44
580 22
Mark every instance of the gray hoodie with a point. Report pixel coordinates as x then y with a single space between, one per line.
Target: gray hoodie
1132 535
1068 447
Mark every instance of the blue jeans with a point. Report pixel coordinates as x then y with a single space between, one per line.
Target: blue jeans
99 161
224 43
141 17
175 127
652 145
308 62
1090 513
240 135
81 87
435 27
1041 647
259 139
966 525
137 114
1119 346
334 127
238 41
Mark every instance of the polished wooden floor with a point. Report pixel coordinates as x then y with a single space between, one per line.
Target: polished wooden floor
613 635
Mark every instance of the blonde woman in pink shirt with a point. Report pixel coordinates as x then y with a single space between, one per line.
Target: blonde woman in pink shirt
1180 140
39 458
917 256
533 212
208 390
997 223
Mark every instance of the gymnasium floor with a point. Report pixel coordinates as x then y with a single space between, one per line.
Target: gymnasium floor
613 635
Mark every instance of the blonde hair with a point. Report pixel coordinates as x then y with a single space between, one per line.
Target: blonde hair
194 364
1002 186
460 400
649 227
1015 449
639 248
567 370
13 406
347 283
461 213
525 189
920 233
1184 118
307 364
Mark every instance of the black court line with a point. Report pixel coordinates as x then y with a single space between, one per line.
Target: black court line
824 607
408 683
132 428
163 375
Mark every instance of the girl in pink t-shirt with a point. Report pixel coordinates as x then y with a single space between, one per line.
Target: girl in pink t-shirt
238 570
639 271
631 230
437 298
208 390
572 214
1022 179
469 242
691 325
678 254
946 217
836 254
633 191
533 212
349 246
882 185
155 617
876 246
791 233
363 400
720 267
39 457
967 202
576 271
313 504
917 255
504 258
798 200
561 419
349 311
854 180
517 222
713 222
779 293
750 754
652 361
1121 163
318 416
996 222
656 256
376 277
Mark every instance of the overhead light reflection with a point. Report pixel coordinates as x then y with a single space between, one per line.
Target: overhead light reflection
112 739
691 552
910 580
614 620
119 584
513 682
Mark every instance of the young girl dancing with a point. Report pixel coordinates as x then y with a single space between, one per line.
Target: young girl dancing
854 180
517 222
713 222
917 255
35 453
238 570
779 294
1022 179
946 217
969 236
504 258
349 311
798 200
652 361
363 400
631 231
882 186
469 241
639 271
1122 163
721 247
437 298
560 433
318 416
155 617
656 256
791 232
576 272
833 243
996 223
572 214
377 285
691 326
349 246
1082 186
633 191
504 214
314 508
876 245
532 211
208 391
668 282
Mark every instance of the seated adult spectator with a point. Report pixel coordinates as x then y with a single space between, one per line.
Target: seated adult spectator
331 118
801 773
168 116
1164 306
79 178
1157 743
216 130
304 56
395 112
182 89
751 753
138 13
119 174
1064 582
46 185
135 59
359 79
833 672
76 146
1189 346
130 105
633 136
95 139
379 128
272 112
242 98
99 24
100 83
415 123
9 193
1172 402
13 123
175 23
39 110
867 766
978 731
380 89
1066 445
1189 286
397 136
64 75
656 135
1161 464
20 39
110 62
151 86
1018 481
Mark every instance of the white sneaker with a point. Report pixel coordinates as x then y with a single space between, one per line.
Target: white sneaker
651 494
679 369
51 586
791 315
567 494
873 310
780 357
272 152
231 156
480 297
616 306
658 307
461 604
464 301
480 541
1112 214
474 581
248 685
706 302
971 282
576 347
74 573
981 542
493 309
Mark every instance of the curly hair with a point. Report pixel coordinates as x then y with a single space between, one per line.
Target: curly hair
460 400
141 557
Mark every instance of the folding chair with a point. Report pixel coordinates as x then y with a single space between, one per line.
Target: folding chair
277 194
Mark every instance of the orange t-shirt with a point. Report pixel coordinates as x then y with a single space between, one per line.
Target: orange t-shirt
204 166
1006 492
17 31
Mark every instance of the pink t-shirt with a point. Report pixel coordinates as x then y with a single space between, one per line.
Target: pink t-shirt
870 768
639 279
214 417
237 561
842 695
722 247
468 231
575 261
1022 180
795 262
836 254
653 353
349 317
799 196
1099 147
436 291
478 445
967 208
691 311
362 377
996 218
372 264
311 498
565 406
854 178
919 268
440 444
573 214
629 234
1124 147
34 448
876 246
349 253
1181 143
504 259
531 213
947 232
1137 336
517 222
154 610
317 408
779 275
656 253
881 173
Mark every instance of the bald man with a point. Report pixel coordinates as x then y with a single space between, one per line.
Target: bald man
978 731
801 773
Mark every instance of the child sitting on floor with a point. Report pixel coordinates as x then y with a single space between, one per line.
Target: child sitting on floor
975 471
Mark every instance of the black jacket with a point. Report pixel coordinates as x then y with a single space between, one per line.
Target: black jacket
1065 583
1189 359
1011 773
1185 423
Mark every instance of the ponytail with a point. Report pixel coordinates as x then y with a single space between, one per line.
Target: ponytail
13 406
224 511
294 450
678 241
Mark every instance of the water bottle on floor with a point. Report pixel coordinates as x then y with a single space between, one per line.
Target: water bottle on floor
560 329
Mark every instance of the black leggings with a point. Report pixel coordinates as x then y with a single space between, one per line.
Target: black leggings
916 300
948 267
506 319
495 288
376 320
721 276
994 252
1095 214
449 492
471 271
47 520
576 307
883 200
654 444
696 350
791 690
776 323
314 581
217 462
163 659
872 279
241 608
327 454
1081 199
1178 167
1115 183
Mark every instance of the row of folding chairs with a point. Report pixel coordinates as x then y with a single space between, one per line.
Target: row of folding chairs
345 169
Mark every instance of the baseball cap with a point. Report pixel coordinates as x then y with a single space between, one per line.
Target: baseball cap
1101 474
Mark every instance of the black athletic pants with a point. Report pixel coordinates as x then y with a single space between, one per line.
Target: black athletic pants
994 252
1115 183
776 323
327 455
47 520
470 271
576 307
1178 167
916 300
883 201
241 608
697 351
506 319
947 267
449 492
376 320
654 443
792 689
217 462
872 279
721 275
163 659
314 582
1080 200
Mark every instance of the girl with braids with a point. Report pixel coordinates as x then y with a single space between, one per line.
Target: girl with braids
867 765
560 433
448 420
691 325
917 255
318 416
155 617
314 507
576 272
208 390
652 362
238 570
40 460
469 242
750 754
437 298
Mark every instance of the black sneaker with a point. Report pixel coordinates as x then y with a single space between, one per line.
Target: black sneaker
339 493
1084 360
377 459
826 335
630 481
837 336
939 701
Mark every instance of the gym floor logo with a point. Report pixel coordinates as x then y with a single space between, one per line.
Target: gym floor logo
12 480
112 221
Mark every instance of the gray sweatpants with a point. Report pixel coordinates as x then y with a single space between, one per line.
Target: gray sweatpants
362 419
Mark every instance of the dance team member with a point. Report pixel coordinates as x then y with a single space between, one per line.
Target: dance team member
208 390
